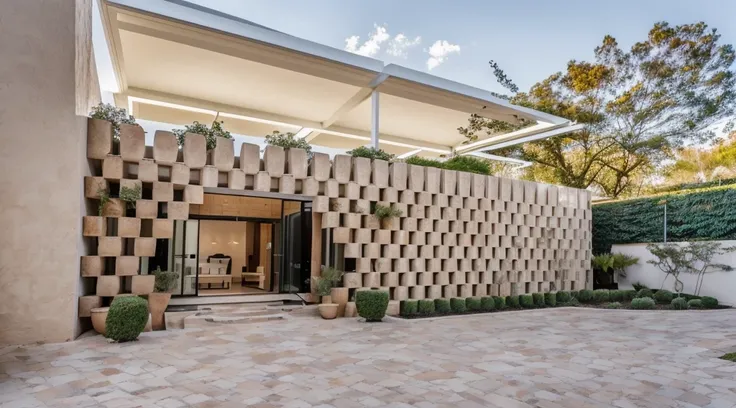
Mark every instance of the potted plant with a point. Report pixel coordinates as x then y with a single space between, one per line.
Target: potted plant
328 280
210 133
385 214
158 301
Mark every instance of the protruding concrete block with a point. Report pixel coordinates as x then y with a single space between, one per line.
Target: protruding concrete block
194 150
432 177
99 138
236 179
93 186
142 284
274 160
223 155
163 228
109 246
262 181
250 158
129 227
113 208
132 143
165 147
108 285
112 167
464 181
319 166
145 247
416 177
147 171
492 188
127 265
177 210
146 209
287 184
380 171
92 266
448 182
209 176
162 191
296 163
504 189
180 174
341 168
194 194
362 171
397 175
94 226
310 187
479 185
87 303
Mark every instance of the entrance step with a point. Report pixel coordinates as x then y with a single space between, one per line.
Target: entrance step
211 316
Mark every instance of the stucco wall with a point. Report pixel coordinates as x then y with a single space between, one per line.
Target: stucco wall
717 284
42 162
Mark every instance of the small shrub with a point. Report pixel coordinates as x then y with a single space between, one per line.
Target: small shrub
425 307
663 296
384 213
408 307
288 141
601 296
613 305
421 161
371 304
473 304
126 318
629 295
638 286
487 303
709 302
645 292
538 299
679 303
442 306
329 278
210 134
512 302
585 296
526 301
563 297
371 153
616 295
458 305
550 299
695 304
164 281
469 164
500 303
130 195
643 303
574 294
116 116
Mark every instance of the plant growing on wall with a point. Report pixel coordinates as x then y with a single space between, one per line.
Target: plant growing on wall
615 263
114 115
288 141
468 164
386 213
165 280
210 133
130 195
695 258
422 161
104 199
371 153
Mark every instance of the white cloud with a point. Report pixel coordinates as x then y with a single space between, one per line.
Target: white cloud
439 52
371 46
399 45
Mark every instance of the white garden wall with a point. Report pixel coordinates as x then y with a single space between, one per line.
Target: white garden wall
721 285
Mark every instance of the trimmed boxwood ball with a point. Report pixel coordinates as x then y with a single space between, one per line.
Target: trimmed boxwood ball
629 294
473 304
126 318
487 303
550 299
646 292
526 301
408 307
512 301
616 295
458 305
371 304
500 303
709 302
695 304
679 303
538 299
563 297
585 296
425 307
643 303
663 296
601 296
442 306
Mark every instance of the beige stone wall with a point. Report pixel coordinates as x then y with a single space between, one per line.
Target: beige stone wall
42 163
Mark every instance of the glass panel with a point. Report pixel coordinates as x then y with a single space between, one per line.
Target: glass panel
296 242
191 251
177 254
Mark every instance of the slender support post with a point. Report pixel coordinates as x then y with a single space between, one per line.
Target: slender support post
374 119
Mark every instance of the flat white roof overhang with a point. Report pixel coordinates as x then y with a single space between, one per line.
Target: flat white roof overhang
176 62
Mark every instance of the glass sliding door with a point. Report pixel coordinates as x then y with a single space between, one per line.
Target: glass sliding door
184 249
296 237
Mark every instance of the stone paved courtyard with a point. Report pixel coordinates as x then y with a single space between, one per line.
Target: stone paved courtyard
545 358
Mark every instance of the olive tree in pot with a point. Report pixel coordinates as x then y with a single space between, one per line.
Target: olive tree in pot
325 282
158 301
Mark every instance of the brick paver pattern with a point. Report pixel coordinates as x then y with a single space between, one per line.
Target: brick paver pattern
545 358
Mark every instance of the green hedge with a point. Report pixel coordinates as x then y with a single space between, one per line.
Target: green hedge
442 306
691 215
425 307
457 305
408 307
487 303
126 318
371 304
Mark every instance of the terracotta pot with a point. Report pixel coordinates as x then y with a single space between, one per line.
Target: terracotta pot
328 310
99 316
351 310
157 304
327 299
340 296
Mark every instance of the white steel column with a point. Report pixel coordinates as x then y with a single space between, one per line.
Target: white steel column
374 119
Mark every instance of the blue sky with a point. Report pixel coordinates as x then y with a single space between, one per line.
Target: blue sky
529 39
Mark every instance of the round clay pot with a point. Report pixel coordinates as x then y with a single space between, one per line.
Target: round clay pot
99 316
327 299
328 310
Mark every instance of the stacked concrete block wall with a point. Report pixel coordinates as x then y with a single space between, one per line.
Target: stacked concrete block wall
459 234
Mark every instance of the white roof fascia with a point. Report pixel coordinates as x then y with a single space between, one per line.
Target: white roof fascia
535 137
520 163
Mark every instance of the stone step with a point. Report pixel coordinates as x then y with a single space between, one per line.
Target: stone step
210 316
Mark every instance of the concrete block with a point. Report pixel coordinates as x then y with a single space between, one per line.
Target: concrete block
321 204
93 226
127 265
332 188
352 280
180 174
389 195
371 280
296 163
362 171
165 147
398 175
194 194
147 171
401 293
129 227
250 158
163 228
350 191
236 179
145 247
87 303
108 286
479 186
448 182
177 210
112 167
142 284
162 191
432 179
352 250
380 173
209 176
330 220
194 151
416 177
262 181
92 266
109 246
146 209
319 166
464 181
360 207
223 155
114 208
132 143
310 187
99 138
287 184
504 189
352 220
93 186
417 292
342 168
274 160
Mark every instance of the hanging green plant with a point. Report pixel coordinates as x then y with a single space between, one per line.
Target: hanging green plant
210 134
288 141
